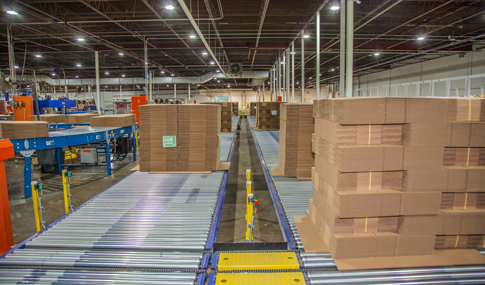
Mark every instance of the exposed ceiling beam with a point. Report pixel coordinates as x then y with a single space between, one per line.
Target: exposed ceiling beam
264 9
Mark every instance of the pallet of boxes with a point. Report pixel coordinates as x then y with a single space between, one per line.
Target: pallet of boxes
180 138
295 158
226 115
268 115
235 109
398 182
252 108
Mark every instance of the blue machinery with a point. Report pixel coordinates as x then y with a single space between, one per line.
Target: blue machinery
160 229
66 138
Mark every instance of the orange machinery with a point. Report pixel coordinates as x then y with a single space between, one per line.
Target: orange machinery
23 108
6 236
137 101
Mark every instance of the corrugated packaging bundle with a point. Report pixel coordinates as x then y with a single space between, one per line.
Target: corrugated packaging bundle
6 117
179 137
253 108
418 160
235 109
295 147
84 118
50 118
268 115
113 121
226 115
23 129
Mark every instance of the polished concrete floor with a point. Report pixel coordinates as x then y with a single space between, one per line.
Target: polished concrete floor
86 182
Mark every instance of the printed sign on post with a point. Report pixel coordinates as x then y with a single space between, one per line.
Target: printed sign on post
169 141
274 112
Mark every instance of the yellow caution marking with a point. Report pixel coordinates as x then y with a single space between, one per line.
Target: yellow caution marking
260 278
257 261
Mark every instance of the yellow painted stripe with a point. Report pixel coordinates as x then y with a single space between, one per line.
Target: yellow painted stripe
469 109
370 180
466 198
365 227
468 157
456 242
369 134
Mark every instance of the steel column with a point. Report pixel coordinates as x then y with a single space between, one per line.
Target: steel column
342 49
279 77
175 91
293 72
151 85
302 66
317 64
146 65
287 62
350 49
98 98
108 158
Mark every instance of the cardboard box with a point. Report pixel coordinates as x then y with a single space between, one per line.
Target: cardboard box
464 156
414 245
268 115
423 158
459 241
465 110
420 225
463 201
14 130
84 118
50 118
426 110
467 135
463 222
113 121
420 203
427 134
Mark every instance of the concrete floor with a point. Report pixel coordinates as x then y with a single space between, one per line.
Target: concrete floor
86 182
233 223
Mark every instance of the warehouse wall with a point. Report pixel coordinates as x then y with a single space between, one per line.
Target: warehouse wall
450 66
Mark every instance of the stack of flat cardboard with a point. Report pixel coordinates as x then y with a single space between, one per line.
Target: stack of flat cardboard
80 118
181 138
295 147
252 108
235 109
113 121
397 177
268 115
50 118
226 115
23 129
6 117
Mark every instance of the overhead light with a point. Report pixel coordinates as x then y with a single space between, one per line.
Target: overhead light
106 86
376 54
213 62
218 70
12 12
310 77
421 38
192 36
122 75
38 55
78 65
169 7
334 8
106 73
76 76
204 53
293 52
171 74
15 66
80 39
53 74
162 72
306 36
218 81
146 63
298 83
120 53
333 69
282 62
320 74
167 85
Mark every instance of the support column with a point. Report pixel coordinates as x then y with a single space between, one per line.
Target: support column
151 85
302 66
11 56
283 77
146 66
189 92
342 49
317 63
279 77
98 99
263 90
175 91
287 63
292 72
271 80
350 49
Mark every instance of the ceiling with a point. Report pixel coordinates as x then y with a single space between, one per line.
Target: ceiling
251 32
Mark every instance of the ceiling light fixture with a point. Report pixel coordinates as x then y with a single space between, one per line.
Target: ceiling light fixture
212 62
80 39
334 8
169 7
12 12
171 74
106 73
38 55
53 74
421 38
333 69
192 36
76 76
120 53
78 65
204 53
376 54
218 81
218 70
122 75
306 36
162 72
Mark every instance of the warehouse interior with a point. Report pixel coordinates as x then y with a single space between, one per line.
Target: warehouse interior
242 142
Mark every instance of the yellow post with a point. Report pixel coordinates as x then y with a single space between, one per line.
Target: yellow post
35 200
136 139
248 175
66 192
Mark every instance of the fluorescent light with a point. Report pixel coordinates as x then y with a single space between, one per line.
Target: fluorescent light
106 73
192 36
376 54
120 53
76 76
334 8
421 38
15 66
218 70
162 72
106 86
122 75
78 65
169 7
218 81
171 74
333 69
167 85
310 77
53 74
204 53
213 62
306 36
38 55
80 39
146 63
12 12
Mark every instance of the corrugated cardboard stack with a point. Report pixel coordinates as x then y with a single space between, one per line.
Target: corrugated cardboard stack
252 108
23 129
235 109
80 118
50 118
387 172
226 115
6 117
295 147
268 115
113 121
179 138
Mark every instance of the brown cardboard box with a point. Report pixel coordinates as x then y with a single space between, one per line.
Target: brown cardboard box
226 115
423 158
420 203
426 110
464 156
427 134
463 201
459 241
463 222
7 117
50 118
425 180
414 245
23 129
268 115
467 135
84 118
113 121
465 110
420 225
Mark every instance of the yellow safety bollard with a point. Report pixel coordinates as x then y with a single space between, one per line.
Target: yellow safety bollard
65 186
248 175
136 139
36 192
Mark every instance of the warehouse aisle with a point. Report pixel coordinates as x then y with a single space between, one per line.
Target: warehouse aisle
233 224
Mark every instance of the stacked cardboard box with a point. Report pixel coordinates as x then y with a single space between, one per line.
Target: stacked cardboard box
226 115
179 137
50 118
268 115
23 129
84 118
252 108
410 171
6 117
235 109
295 147
113 121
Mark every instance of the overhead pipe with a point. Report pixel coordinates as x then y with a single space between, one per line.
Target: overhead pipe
317 66
201 36
349 80
216 31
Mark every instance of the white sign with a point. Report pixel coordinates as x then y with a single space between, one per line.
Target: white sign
274 112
